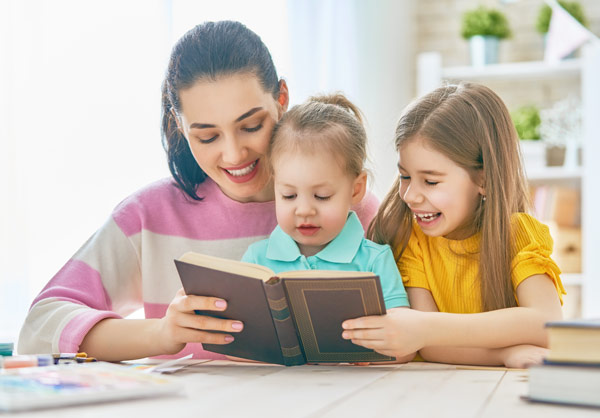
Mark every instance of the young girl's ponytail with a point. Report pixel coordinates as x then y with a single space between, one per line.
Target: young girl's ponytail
323 123
340 100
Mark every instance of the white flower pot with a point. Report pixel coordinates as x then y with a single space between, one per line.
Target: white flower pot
534 153
483 50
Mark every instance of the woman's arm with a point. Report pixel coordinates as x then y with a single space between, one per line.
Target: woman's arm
455 338
126 339
83 306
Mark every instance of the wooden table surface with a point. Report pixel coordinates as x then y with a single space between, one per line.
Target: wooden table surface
230 389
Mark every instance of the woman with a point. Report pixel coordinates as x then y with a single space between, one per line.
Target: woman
221 99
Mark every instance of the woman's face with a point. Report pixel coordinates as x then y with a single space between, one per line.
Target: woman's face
228 124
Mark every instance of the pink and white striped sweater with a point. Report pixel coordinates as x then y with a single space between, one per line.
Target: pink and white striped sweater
128 263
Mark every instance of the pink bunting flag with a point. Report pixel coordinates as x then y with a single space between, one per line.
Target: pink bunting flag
564 35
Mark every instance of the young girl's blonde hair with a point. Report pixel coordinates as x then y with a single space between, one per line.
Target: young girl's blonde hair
329 123
469 124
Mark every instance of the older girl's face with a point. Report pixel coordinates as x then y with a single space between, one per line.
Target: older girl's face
441 194
228 124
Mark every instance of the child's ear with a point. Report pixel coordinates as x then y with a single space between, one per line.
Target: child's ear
359 188
481 182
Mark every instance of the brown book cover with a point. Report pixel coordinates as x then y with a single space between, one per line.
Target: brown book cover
291 318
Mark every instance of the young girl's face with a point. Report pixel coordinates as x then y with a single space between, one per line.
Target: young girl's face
440 193
313 196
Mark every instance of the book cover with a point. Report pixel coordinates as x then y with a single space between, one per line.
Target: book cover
291 318
569 384
574 341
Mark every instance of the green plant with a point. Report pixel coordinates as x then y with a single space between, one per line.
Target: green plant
527 122
573 7
486 22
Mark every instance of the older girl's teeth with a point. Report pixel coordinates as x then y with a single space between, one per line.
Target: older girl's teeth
427 216
243 171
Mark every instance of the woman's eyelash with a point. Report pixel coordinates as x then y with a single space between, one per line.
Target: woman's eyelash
254 129
431 183
404 177
322 197
207 141
288 196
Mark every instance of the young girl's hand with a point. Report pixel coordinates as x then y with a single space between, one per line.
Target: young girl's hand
399 333
523 356
181 325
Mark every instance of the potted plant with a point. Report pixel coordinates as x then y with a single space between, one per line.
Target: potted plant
527 123
484 28
574 8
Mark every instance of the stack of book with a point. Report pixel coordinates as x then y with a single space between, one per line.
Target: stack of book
571 373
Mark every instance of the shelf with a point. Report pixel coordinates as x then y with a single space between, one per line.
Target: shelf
515 70
555 175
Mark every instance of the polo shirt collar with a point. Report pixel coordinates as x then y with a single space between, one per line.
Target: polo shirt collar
342 249
282 247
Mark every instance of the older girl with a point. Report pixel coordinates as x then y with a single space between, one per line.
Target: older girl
476 266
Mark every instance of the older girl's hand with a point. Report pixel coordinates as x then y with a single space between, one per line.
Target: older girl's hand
523 356
399 333
182 325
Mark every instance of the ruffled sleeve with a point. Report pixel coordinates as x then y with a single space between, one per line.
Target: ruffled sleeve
533 249
411 264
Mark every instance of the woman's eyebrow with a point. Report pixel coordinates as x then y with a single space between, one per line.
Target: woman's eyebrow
248 113
197 125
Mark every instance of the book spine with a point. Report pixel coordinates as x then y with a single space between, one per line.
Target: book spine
284 325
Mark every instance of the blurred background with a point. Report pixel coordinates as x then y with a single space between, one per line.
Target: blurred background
80 106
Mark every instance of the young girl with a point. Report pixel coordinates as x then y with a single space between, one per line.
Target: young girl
477 268
317 155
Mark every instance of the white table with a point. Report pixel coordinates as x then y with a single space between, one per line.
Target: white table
230 389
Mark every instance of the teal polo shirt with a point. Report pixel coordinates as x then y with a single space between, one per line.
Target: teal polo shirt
349 251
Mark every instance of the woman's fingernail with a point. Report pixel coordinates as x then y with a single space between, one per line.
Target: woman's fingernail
229 338
220 304
345 335
237 325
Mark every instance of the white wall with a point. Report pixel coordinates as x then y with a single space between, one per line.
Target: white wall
80 106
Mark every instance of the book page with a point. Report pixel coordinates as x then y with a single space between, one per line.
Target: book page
324 273
230 266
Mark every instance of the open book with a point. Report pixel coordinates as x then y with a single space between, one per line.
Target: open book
291 318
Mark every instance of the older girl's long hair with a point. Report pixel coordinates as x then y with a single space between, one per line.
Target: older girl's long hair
471 125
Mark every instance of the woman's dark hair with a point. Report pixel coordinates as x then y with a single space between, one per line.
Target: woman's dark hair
207 52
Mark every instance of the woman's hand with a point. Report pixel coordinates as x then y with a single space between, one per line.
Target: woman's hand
523 356
399 333
182 325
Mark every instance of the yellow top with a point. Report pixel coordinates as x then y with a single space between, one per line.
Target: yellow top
448 268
